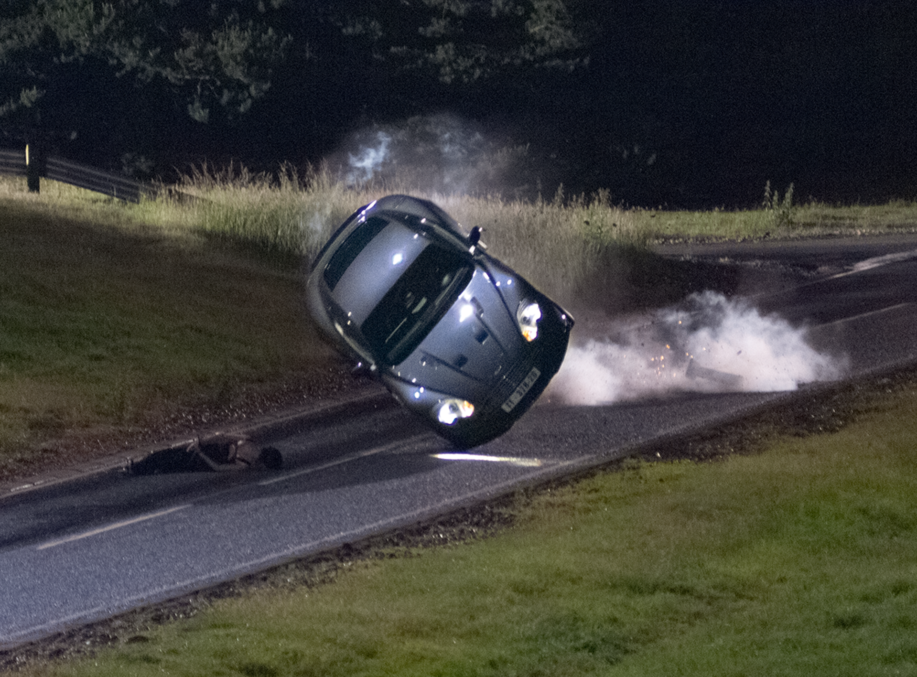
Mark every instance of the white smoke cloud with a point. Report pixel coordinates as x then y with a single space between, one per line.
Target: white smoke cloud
712 345
314 225
369 159
434 154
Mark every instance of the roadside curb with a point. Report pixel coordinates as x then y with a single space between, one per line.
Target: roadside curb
760 247
261 429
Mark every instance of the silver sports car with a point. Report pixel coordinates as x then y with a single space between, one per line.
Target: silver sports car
455 335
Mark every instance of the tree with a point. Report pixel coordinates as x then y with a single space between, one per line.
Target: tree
52 51
127 75
464 41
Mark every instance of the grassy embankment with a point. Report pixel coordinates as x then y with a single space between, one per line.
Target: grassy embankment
799 559
116 317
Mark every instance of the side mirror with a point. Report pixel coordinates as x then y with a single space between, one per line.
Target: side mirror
474 238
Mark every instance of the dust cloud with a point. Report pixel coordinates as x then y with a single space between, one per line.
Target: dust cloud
710 344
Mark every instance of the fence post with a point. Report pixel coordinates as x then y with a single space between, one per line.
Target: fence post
33 168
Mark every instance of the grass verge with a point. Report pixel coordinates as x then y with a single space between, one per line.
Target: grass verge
796 559
111 328
115 317
813 219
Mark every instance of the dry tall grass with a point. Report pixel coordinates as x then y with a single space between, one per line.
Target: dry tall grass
555 243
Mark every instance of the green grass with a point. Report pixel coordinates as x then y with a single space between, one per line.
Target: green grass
106 328
797 560
808 220
114 316
801 559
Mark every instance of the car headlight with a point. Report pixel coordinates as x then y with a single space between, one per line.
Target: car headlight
449 411
528 315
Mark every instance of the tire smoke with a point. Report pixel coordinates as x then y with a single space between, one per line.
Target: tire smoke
712 344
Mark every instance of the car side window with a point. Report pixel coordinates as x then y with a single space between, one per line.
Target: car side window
351 248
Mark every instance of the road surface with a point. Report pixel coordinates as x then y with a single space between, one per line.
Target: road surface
89 548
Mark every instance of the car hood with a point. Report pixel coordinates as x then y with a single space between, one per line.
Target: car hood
471 346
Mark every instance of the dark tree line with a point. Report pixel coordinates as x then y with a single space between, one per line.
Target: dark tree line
679 102
74 67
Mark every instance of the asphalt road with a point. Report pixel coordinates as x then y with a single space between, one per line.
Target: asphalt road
88 548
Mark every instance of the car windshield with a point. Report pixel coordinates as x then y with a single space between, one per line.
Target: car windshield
415 303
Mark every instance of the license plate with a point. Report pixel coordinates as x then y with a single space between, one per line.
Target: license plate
520 392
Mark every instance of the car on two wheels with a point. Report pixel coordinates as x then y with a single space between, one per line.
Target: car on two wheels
455 335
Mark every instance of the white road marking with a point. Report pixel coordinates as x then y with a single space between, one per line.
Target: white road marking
509 460
161 513
345 459
111 527
884 260
859 267
869 314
